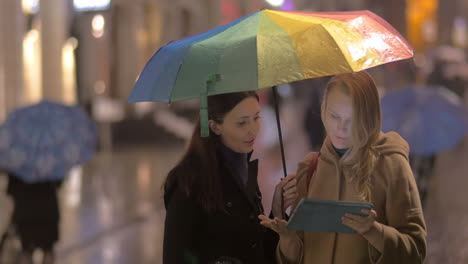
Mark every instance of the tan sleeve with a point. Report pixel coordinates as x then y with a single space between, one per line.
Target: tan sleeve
405 233
301 173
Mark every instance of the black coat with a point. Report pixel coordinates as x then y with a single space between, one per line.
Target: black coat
194 236
36 213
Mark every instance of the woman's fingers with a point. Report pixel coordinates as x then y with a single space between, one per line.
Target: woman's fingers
289 203
290 199
263 217
360 224
276 224
290 187
289 183
289 192
349 222
265 221
361 220
290 177
372 213
280 222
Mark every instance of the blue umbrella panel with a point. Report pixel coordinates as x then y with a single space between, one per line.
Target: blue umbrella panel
429 118
43 142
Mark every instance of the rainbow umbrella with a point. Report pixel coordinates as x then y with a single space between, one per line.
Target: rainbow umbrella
265 49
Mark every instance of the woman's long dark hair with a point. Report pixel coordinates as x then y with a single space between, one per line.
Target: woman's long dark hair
197 172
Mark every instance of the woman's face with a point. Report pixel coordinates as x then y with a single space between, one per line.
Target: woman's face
240 126
337 118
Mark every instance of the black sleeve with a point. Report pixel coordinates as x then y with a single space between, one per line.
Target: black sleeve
183 219
270 242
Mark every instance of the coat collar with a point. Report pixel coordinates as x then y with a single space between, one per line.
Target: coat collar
326 182
250 190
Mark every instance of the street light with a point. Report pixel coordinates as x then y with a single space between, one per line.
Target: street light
91 5
98 24
30 6
275 3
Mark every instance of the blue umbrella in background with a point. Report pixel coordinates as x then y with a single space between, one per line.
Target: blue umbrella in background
431 119
44 141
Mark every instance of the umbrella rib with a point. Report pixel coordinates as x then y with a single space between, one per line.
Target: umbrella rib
175 81
337 45
223 29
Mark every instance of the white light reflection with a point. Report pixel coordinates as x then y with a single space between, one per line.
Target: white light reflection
30 6
460 29
3 110
100 87
98 24
151 230
372 40
32 66
144 175
69 69
376 41
104 207
110 251
73 193
356 51
144 187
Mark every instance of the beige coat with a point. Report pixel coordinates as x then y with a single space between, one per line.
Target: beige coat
395 198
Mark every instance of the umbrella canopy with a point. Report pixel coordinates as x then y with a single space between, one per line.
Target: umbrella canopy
269 48
43 141
430 118
265 49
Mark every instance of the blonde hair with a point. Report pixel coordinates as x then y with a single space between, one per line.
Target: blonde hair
359 161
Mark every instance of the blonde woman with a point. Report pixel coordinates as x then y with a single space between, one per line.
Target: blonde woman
358 163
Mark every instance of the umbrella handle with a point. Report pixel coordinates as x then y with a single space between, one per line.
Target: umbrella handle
210 83
280 135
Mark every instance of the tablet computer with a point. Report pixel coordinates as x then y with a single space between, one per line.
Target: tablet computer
316 215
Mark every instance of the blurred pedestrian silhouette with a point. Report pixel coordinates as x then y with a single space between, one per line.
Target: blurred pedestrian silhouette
312 116
428 117
35 217
446 70
39 144
398 76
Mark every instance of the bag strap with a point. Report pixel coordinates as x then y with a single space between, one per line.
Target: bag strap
312 167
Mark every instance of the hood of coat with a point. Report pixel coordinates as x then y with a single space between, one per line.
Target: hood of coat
392 143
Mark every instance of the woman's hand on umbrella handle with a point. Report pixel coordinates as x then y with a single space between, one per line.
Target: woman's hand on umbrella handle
290 193
288 190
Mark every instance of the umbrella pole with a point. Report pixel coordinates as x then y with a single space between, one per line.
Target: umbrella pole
280 134
278 124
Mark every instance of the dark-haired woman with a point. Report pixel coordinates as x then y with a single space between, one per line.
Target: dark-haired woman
212 196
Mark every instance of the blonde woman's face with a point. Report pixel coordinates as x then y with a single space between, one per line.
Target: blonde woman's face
338 117
240 126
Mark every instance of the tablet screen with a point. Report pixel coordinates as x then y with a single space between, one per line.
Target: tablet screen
316 215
